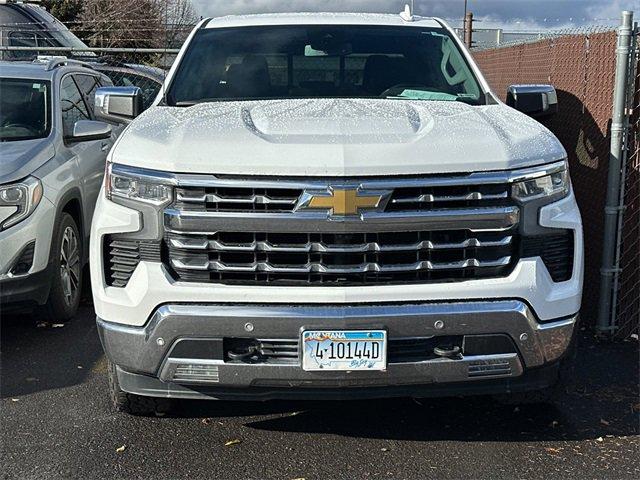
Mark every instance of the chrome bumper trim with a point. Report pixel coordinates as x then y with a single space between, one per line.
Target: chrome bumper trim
138 349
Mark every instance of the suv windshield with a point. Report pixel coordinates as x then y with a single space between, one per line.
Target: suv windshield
323 61
25 111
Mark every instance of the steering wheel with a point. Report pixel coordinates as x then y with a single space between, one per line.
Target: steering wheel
397 89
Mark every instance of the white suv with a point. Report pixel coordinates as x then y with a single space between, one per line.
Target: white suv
333 206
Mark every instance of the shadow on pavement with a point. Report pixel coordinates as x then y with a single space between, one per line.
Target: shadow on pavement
35 359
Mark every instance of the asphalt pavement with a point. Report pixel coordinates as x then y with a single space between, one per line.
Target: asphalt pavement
56 422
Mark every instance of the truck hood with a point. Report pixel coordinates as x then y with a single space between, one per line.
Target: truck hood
20 159
335 137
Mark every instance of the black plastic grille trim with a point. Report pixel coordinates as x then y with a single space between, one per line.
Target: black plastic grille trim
24 262
121 257
556 251
286 351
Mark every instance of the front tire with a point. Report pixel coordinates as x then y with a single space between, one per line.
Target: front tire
66 268
133 404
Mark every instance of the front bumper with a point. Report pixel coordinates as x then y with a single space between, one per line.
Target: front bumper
33 286
150 358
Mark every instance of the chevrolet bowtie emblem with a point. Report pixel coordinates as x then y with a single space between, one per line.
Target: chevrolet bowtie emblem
343 201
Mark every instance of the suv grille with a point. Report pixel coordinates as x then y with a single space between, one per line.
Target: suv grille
340 258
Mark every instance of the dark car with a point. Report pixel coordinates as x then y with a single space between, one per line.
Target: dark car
28 25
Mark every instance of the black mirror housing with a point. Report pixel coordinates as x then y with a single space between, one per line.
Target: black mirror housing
118 104
537 101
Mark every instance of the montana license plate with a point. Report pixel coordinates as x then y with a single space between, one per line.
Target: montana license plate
344 350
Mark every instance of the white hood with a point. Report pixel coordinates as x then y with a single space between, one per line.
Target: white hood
335 137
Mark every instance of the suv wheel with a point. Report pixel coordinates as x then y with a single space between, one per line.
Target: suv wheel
66 268
134 404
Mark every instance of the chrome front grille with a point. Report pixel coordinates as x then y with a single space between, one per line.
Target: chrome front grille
358 258
284 199
266 231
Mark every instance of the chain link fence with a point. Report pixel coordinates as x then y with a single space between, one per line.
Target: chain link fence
628 305
581 66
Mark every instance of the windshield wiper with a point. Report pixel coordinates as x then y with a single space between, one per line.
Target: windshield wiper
188 103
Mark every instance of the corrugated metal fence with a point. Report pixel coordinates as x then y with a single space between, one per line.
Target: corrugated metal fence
581 67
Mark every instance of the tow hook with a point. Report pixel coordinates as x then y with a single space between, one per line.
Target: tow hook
243 353
448 351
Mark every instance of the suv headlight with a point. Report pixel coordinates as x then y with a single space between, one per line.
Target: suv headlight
124 182
20 199
554 183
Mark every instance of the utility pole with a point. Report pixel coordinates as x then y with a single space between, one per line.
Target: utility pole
468 29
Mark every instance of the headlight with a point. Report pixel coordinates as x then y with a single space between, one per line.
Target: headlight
554 184
122 182
19 200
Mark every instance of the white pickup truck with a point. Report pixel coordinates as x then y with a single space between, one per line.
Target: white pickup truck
333 206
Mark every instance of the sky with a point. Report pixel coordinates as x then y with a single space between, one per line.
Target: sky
512 15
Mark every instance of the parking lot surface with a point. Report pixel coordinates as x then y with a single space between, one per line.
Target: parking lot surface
57 423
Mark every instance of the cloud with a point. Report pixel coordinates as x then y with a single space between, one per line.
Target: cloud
508 14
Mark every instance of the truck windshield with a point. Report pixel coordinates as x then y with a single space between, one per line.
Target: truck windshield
351 61
25 109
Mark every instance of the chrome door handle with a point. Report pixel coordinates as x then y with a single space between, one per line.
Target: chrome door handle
104 146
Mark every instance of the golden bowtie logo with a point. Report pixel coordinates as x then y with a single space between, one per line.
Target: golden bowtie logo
343 201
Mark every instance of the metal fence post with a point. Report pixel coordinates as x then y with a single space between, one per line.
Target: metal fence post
614 179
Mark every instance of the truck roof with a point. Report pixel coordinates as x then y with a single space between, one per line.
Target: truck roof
313 18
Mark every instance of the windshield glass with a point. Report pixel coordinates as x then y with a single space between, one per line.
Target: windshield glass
24 109
323 61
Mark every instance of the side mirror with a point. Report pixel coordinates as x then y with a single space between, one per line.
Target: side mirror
85 130
534 100
118 104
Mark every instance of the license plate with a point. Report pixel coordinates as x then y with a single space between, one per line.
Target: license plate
344 350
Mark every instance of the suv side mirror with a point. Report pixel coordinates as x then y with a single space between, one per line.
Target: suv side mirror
118 104
85 130
534 100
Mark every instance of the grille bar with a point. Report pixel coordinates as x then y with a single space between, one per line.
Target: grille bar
491 218
123 256
266 246
252 199
217 266
430 198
